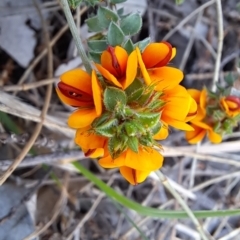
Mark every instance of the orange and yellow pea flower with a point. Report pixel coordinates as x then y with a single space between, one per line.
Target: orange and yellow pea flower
201 128
231 105
180 107
118 67
135 167
78 89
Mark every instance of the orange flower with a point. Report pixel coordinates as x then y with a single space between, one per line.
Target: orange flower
117 67
231 105
134 167
77 88
180 107
200 131
201 128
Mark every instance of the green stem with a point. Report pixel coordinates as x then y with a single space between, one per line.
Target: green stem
165 182
76 37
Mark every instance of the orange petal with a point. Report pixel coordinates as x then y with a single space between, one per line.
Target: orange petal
82 118
177 124
203 99
88 140
192 111
96 93
214 137
201 124
195 94
131 71
108 75
144 71
195 136
177 103
108 162
166 77
79 79
157 54
134 176
71 101
94 153
106 62
162 134
145 160
122 57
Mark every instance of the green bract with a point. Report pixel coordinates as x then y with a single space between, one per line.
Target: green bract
126 123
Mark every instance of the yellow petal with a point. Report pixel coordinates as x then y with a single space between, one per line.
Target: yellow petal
214 137
108 75
156 53
88 140
144 71
131 71
166 77
174 52
96 94
71 101
133 176
162 134
79 79
82 118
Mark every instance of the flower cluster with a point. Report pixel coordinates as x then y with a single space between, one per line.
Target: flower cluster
218 113
126 105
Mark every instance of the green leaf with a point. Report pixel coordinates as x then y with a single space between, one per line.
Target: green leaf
143 44
128 46
117 1
133 144
135 90
113 98
107 129
94 24
131 24
106 16
97 45
115 35
149 119
148 211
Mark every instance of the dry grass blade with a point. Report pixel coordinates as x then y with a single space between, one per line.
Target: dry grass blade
39 126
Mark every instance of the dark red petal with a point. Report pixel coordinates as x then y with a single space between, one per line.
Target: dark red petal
74 93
